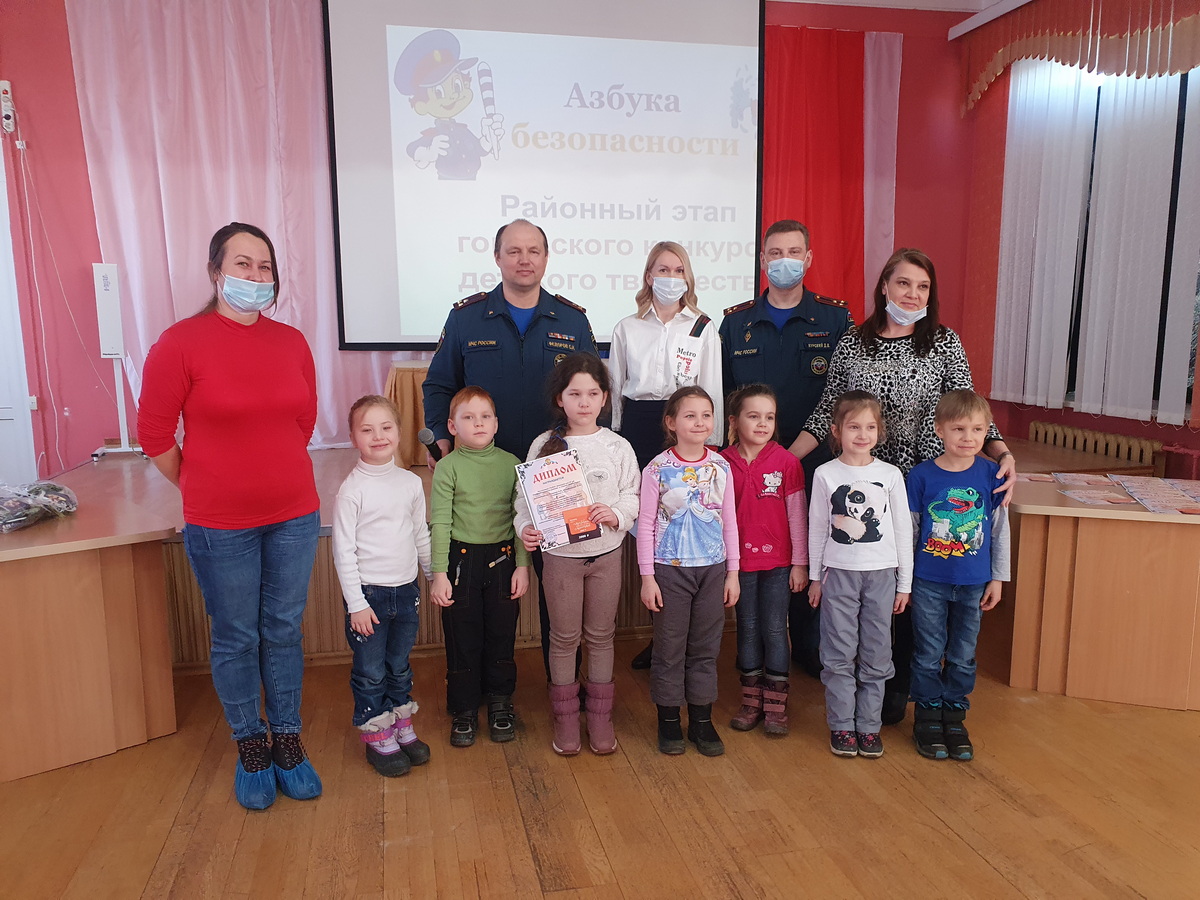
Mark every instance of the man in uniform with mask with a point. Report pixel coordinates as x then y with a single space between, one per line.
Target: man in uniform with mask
785 338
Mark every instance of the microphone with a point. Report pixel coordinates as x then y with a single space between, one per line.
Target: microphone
425 436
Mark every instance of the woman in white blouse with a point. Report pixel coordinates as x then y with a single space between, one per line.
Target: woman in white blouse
667 344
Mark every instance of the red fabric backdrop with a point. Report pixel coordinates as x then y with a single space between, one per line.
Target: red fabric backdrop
813 150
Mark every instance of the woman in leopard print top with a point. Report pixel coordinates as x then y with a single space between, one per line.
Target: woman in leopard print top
907 364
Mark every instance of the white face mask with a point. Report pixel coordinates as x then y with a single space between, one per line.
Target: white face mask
904 316
668 290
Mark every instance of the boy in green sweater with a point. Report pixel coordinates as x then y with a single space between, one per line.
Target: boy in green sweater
480 571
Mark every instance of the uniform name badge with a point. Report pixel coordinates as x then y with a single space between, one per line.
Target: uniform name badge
556 490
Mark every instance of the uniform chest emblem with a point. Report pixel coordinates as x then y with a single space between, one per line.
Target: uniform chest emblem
747 338
559 358
819 365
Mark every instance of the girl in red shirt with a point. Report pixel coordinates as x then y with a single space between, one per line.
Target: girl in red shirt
772 515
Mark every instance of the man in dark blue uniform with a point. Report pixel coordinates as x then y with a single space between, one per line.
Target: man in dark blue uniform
785 338
505 341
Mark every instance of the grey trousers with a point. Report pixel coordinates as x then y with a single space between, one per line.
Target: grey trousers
856 646
687 634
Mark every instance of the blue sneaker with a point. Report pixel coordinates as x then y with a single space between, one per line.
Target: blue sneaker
254 777
295 774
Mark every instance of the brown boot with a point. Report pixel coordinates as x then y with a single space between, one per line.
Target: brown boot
751 712
564 704
775 693
601 736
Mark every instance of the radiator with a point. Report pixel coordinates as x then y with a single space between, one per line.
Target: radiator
1142 451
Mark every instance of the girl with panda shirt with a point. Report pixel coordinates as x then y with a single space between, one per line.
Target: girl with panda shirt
860 549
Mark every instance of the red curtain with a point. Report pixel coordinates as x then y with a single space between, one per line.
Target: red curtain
813 150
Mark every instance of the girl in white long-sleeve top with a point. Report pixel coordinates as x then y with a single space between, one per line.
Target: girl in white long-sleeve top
860 551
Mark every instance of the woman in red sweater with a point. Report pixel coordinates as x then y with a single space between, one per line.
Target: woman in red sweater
245 386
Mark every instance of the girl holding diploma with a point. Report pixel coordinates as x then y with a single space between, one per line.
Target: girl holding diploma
583 580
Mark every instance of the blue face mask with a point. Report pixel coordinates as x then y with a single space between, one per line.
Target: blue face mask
785 272
247 296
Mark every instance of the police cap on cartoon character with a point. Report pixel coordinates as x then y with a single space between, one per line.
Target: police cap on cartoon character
437 81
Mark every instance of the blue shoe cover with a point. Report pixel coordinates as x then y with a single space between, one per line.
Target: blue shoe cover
254 790
300 783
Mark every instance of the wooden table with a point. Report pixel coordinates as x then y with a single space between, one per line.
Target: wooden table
85 658
1036 457
1104 603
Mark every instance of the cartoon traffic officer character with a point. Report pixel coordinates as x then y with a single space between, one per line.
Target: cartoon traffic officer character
437 82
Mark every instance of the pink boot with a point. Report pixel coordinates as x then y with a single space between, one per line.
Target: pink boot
601 736
564 704
775 694
751 712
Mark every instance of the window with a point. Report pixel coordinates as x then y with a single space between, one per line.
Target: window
1100 245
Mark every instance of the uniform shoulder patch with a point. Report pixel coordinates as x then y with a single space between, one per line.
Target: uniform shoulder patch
698 328
561 299
740 307
467 301
829 301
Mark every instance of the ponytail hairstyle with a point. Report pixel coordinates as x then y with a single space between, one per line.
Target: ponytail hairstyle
216 257
671 410
365 403
557 381
735 402
847 405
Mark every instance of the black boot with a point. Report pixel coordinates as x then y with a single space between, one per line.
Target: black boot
670 732
927 732
894 706
701 731
642 660
501 718
958 742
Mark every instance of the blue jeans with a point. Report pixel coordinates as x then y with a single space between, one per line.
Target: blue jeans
255 587
381 678
945 619
762 621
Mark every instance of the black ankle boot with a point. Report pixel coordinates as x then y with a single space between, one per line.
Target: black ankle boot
701 731
643 659
927 732
670 732
958 742
894 705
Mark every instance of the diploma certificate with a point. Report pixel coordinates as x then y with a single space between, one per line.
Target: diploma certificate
555 487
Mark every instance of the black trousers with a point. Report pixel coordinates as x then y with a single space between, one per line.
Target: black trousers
481 625
641 425
804 622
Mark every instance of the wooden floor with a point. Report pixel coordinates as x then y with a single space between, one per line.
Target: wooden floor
1067 799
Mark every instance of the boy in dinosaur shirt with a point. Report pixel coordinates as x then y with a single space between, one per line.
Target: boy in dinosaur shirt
962 556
